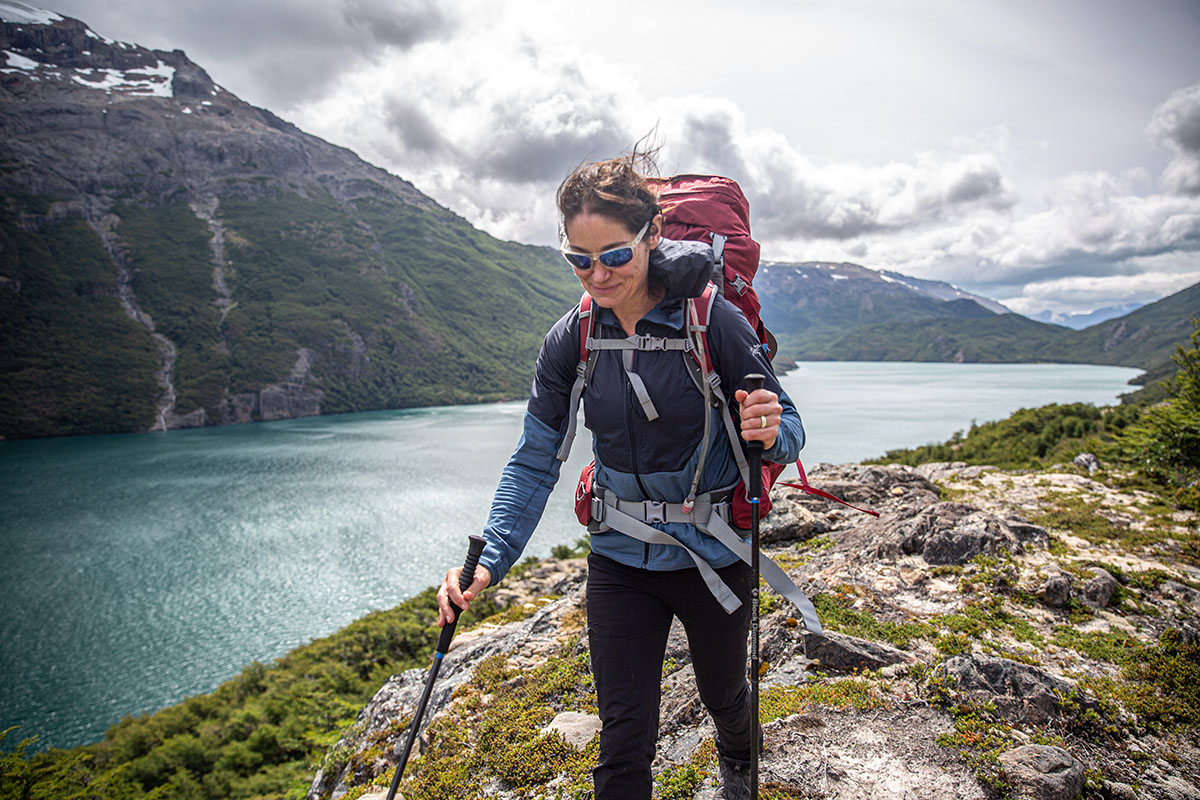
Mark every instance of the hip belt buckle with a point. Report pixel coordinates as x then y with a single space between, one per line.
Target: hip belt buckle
655 511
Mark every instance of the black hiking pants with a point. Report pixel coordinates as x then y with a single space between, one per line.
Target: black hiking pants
629 617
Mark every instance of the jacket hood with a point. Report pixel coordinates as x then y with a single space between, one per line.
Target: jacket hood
683 268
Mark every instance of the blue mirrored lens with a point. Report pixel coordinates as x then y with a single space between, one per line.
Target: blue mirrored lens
617 258
577 261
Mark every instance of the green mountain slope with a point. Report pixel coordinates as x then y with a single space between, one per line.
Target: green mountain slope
995 338
1144 337
171 256
66 341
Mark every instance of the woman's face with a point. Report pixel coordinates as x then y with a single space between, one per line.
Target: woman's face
625 288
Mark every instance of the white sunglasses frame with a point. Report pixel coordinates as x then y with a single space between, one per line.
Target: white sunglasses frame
566 251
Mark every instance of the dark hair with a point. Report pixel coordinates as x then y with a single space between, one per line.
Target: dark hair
615 188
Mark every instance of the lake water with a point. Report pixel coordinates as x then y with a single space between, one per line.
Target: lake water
140 569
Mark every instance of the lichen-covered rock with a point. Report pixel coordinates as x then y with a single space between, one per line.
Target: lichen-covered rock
979 533
838 734
1171 787
1018 691
1040 772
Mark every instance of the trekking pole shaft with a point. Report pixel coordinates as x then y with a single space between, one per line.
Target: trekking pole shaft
464 583
754 450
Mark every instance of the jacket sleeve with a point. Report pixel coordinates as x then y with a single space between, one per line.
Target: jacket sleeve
738 353
533 469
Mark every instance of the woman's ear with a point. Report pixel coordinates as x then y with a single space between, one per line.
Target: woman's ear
655 234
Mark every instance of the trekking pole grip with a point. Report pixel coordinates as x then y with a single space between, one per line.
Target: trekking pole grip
464 582
754 382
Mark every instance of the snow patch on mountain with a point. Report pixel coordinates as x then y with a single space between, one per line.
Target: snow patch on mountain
18 62
144 82
21 14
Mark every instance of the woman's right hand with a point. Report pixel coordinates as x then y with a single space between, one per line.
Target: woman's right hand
448 592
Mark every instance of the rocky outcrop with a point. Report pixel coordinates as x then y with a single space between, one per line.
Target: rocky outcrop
1019 692
934 680
1038 772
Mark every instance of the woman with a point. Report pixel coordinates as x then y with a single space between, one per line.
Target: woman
647 418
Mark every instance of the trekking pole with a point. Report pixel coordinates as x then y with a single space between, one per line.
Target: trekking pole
754 450
464 583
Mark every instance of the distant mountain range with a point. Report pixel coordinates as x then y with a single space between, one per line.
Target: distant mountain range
1080 321
846 312
171 256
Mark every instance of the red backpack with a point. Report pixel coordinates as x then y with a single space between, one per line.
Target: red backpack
713 210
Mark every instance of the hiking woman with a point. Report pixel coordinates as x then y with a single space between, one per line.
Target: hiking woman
648 422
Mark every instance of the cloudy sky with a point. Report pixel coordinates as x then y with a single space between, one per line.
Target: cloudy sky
1045 153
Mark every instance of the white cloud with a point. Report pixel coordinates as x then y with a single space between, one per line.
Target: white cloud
1084 294
486 106
1176 123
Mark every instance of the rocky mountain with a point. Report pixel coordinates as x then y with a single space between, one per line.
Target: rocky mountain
847 312
992 634
172 256
812 304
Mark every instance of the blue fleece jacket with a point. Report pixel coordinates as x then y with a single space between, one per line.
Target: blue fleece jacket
636 458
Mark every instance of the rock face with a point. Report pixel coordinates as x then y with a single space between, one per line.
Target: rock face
212 263
927 672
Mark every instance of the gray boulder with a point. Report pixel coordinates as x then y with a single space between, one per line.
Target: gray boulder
949 533
1098 591
791 522
978 533
839 652
1056 591
1087 461
1039 772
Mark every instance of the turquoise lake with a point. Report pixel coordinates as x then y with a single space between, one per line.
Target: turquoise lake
140 569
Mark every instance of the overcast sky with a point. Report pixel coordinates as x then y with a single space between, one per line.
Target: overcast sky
1045 153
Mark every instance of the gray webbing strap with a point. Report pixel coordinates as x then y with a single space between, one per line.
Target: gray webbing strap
564 450
655 511
719 251
708 517
736 441
644 533
583 371
639 342
776 578
639 388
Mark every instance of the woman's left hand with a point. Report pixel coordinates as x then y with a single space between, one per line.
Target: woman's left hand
760 412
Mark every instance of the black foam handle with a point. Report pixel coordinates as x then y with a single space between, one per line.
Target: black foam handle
464 582
754 448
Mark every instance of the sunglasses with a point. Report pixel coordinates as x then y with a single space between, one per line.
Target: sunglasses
616 257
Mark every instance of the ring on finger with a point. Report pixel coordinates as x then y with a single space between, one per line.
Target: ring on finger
762 422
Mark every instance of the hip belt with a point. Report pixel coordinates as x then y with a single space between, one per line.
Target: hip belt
710 515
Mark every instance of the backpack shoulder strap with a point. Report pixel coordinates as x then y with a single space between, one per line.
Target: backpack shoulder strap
583 371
